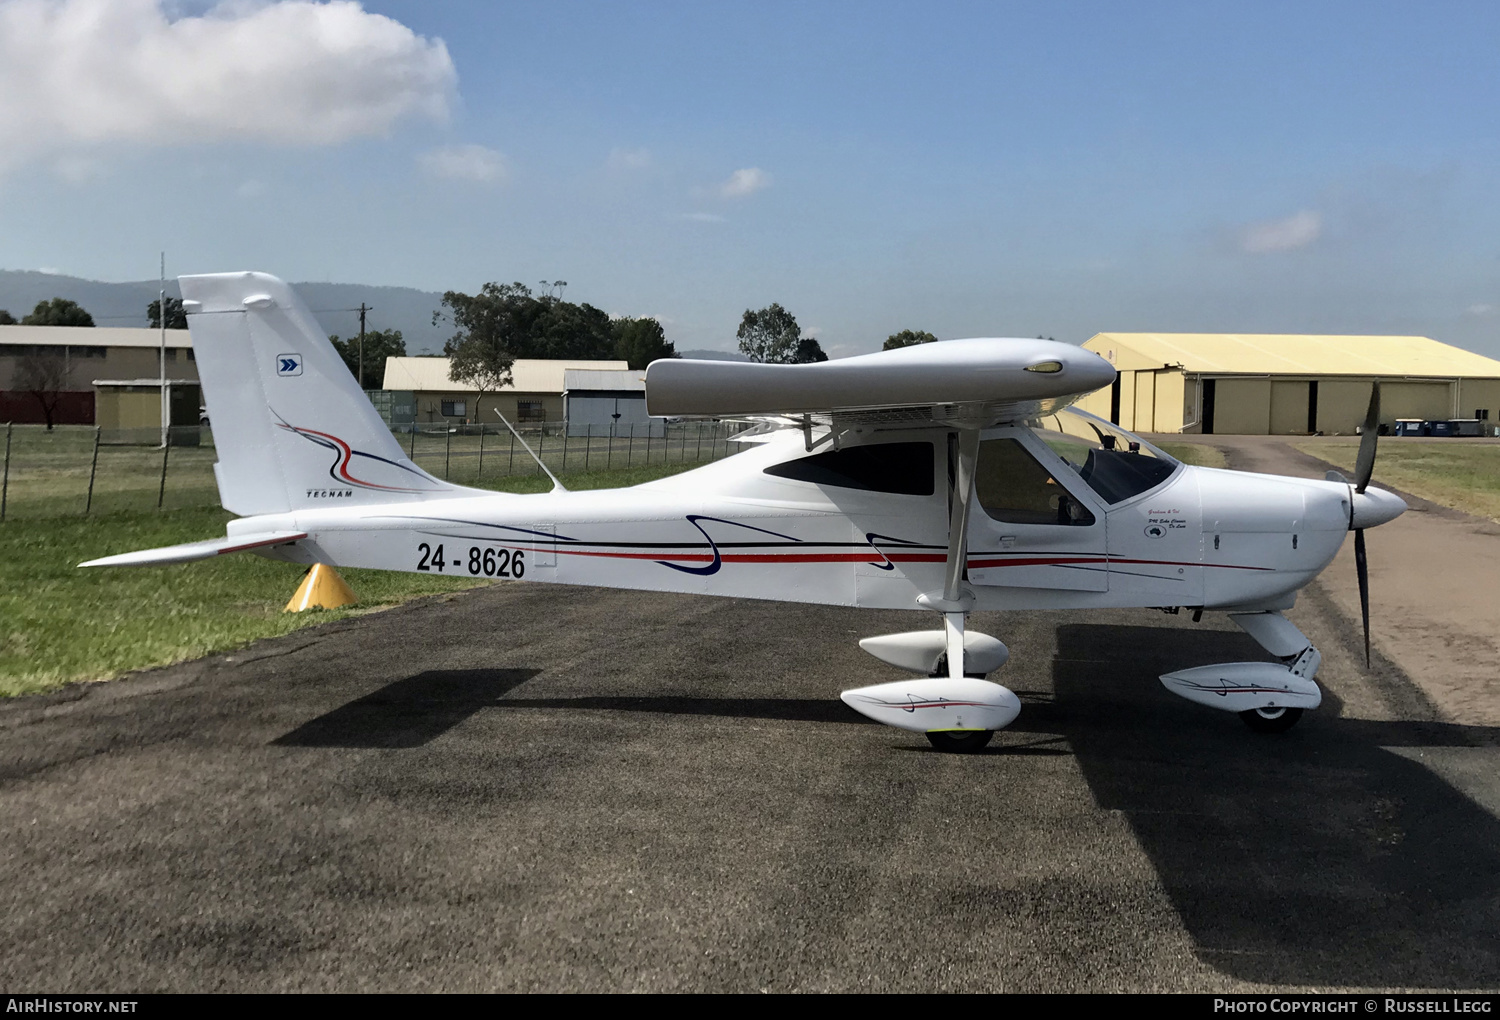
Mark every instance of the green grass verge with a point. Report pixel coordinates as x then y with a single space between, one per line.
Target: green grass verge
1198 454
59 624
1464 476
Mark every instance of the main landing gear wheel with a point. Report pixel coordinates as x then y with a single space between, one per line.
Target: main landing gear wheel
959 741
1270 720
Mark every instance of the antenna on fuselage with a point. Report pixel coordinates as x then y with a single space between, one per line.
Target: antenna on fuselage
556 485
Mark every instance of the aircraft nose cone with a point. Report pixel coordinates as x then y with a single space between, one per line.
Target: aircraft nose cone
1374 507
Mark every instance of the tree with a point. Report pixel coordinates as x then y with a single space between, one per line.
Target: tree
58 312
176 317
641 341
808 351
770 335
44 376
907 338
7 319
554 328
489 329
379 345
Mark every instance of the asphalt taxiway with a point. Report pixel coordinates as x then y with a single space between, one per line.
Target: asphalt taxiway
527 787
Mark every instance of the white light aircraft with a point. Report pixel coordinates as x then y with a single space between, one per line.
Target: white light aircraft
946 478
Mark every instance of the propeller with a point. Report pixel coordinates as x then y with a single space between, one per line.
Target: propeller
1364 467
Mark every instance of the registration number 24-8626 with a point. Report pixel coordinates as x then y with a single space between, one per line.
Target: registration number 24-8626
481 560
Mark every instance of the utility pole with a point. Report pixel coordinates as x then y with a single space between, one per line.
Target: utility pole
161 309
362 310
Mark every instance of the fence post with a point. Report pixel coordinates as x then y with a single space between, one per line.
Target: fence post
411 452
161 493
5 484
565 446
630 447
93 470
609 448
510 468
698 453
447 451
648 442
588 441
480 474
541 444
683 457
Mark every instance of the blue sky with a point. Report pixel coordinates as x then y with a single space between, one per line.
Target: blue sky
969 169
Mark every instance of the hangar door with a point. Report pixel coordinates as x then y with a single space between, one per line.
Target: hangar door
1426 400
1289 409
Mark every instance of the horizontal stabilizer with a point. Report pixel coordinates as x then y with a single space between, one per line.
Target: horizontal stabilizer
190 551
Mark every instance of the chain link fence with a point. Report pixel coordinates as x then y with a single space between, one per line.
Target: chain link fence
78 470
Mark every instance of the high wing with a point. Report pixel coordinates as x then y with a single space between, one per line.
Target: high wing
980 382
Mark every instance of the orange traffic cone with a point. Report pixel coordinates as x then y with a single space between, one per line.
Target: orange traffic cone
322 588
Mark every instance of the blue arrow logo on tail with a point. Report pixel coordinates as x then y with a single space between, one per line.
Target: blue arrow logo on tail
288 364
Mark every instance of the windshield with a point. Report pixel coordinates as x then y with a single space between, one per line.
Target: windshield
1114 463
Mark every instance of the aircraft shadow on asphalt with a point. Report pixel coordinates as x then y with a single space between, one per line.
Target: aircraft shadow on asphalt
1314 857
409 712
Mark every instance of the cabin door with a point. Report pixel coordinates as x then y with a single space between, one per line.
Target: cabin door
1035 523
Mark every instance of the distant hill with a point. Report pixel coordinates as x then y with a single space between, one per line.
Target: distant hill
712 356
124 304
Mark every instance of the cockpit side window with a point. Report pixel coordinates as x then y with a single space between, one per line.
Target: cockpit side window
1014 487
904 469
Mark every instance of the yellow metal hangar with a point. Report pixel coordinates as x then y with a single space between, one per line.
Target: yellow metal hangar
1281 384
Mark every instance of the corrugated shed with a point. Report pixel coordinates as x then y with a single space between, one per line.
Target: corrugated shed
576 379
527 375
91 336
1295 354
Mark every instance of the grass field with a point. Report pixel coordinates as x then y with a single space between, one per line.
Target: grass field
1196 453
59 624
48 472
1465 476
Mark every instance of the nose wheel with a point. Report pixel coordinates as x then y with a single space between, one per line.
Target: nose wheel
1271 720
959 741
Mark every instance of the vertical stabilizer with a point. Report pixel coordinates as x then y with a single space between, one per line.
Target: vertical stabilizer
291 425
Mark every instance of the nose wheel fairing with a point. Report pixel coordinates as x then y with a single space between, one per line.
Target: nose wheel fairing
1269 696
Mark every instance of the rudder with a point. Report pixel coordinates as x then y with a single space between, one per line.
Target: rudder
292 427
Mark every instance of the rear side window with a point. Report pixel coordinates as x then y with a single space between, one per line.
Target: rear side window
904 469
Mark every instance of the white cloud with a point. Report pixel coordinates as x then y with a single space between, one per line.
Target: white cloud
745 182
250 189
703 217
1295 231
464 163
77 73
628 159
1481 309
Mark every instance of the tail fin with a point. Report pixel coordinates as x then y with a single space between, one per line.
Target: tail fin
292 427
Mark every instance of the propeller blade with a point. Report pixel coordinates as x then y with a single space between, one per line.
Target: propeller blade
1364 467
1362 570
